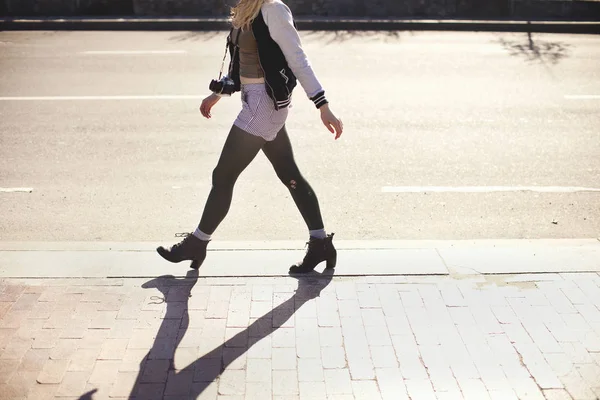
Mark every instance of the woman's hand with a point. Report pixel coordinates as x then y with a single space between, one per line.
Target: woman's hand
207 105
331 122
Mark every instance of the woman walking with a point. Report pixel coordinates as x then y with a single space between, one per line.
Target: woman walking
267 60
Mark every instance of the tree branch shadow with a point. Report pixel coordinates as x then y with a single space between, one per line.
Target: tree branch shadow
536 50
336 37
196 36
201 373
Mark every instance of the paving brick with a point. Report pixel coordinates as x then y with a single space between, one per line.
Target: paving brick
283 313
199 298
454 395
495 377
383 357
179 383
420 389
328 317
262 293
32 361
218 302
559 301
234 337
260 348
368 298
207 370
590 374
307 346
16 348
260 308
349 308
8 368
162 349
11 293
154 371
526 388
330 336
412 367
378 336
285 383
259 370
285 337
443 380
574 294
365 390
83 360
312 390
337 381
21 383
310 370
42 392
134 359
6 335
232 382
257 391
150 391
73 384
141 339
25 302
556 394
577 352
235 358
113 349
473 389
398 325
405 344
284 359
52 371
576 386
452 296
333 357
346 291
504 394
13 319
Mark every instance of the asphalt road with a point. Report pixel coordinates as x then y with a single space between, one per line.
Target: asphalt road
420 109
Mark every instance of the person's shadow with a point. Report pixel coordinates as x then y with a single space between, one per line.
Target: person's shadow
212 364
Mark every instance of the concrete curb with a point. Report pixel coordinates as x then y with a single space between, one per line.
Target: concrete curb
252 259
319 24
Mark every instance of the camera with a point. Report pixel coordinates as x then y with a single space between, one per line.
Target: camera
224 86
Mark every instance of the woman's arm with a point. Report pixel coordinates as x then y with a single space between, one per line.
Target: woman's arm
280 22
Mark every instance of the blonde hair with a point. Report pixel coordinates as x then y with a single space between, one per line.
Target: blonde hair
244 13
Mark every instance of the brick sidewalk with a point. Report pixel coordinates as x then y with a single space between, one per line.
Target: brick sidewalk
472 337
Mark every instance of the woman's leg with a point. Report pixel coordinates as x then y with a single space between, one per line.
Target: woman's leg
320 246
280 154
239 150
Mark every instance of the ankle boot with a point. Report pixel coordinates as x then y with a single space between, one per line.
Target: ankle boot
190 248
319 250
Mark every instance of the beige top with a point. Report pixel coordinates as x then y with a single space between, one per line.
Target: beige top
249 62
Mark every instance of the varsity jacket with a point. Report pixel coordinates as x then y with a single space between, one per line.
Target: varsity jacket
281 56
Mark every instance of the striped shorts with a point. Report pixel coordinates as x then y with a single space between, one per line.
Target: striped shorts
258 116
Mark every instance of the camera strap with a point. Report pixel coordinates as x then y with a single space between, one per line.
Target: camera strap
237 38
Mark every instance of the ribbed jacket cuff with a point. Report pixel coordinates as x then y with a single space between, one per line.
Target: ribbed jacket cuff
319 99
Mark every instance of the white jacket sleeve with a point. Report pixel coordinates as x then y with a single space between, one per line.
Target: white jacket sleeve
280 22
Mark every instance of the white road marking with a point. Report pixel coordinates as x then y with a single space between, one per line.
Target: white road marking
486 189
141 97
582 96
15 190
134 52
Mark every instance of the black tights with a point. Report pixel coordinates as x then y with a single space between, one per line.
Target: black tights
239 150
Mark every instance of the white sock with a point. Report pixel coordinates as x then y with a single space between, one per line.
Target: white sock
201 235
318 234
